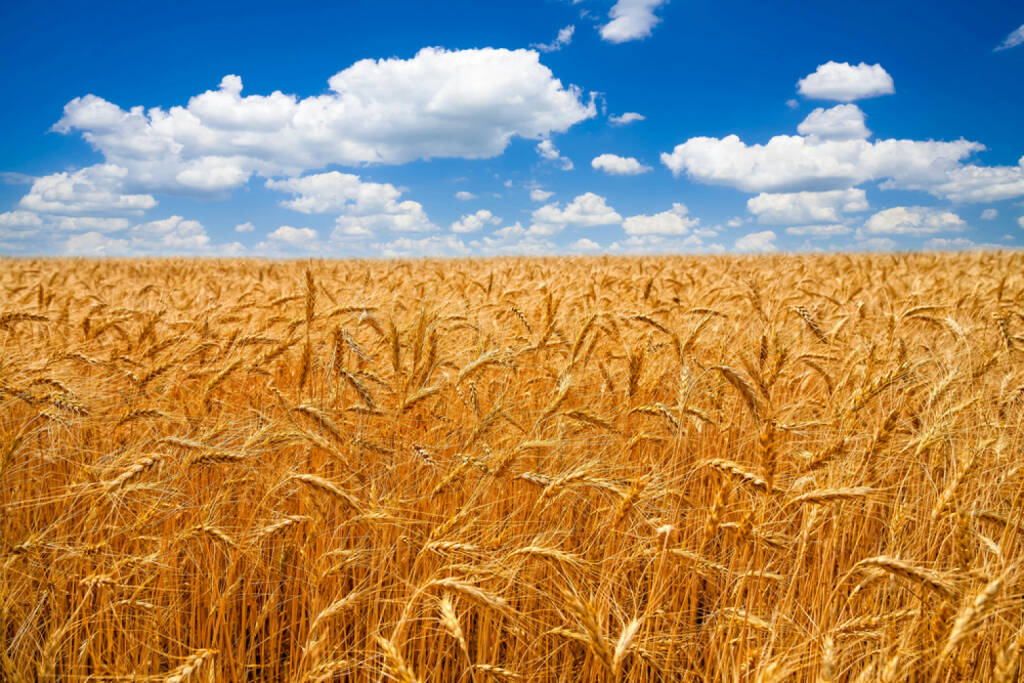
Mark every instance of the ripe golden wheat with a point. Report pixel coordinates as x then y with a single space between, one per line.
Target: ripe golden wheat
599 469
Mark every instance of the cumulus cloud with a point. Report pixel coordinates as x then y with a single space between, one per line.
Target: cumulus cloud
756 242
676 221
365 207
806 207
844 82
464 196
831 230
1012 40
913 220
539 195
973 183
20 219
563 38
439 103
547 151
89 223
989 214
792 162
1020 222
631 20
294 237
841 122
245 227
625 119
616 165
172 235
584 244
474 221
954 244
88 190
587 210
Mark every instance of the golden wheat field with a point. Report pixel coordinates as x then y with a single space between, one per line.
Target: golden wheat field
785 468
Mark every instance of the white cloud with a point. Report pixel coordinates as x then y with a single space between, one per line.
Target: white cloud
335 192
792 103
1020 222
631 20
616 165
168 236
806 207
973 183
734 222
245 227
844 82
756 241
1012 40
547 151
407 216
464 196
587 210
539 195
913 220
563 38
989 214
20 219
96 244
676 221
790 162
841 122
830 230
91 189
435 245
365 207
583 244
295 237
89 224
625 119
474 221
440 103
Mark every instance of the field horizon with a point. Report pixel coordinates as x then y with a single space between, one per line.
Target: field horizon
785 467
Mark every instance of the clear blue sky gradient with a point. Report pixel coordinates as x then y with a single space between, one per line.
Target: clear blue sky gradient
707 69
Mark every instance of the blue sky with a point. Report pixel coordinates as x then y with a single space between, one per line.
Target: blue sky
468 128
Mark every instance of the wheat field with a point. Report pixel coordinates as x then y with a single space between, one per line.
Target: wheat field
787 468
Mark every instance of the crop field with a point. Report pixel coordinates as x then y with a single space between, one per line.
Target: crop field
791 468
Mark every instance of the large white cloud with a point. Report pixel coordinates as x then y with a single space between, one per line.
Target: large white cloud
364 207
913 220
676 221
845 82
20 219
973 183
616 165
841 122
295 237
792 162
587 210
172 235
439 103
806 207
757 242
92 189
631 20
